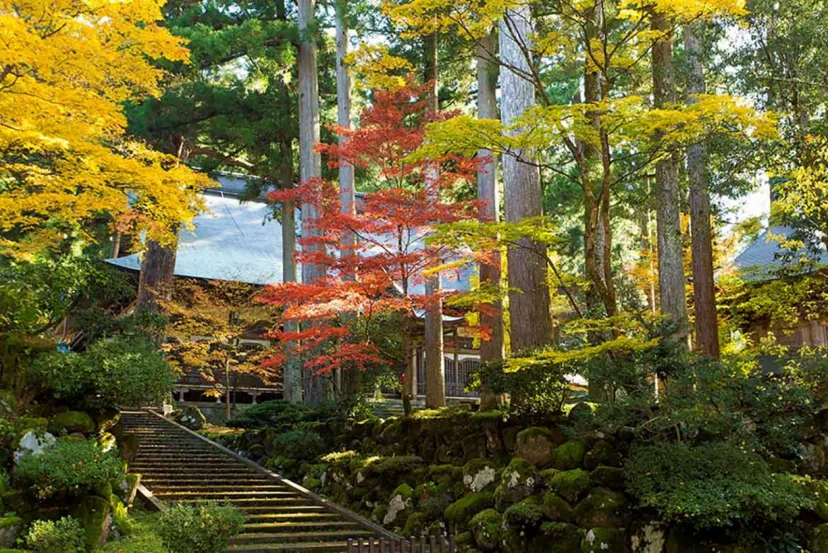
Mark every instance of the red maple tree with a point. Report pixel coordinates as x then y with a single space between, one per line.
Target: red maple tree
391 259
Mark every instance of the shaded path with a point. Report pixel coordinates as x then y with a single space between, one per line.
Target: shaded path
180 466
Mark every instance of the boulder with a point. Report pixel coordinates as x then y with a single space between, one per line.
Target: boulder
461 511
819 539
818 490
191 417
605 540
571 485
95 515
479 475
128 447
518 481
558 537
415 525
526 514
569 455
399 505
608 477
651 537
556 508
485 527
602 453
474 446
10 527
535 444
601 508
72 421
581 413
33 444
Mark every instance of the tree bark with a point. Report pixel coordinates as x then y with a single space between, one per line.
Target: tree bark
530 321
349 376
668 212
310 164
704 289
435 369
157 274
491 317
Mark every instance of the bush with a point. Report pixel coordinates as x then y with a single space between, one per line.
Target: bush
65 535
540 388
299 444
68 468
278 414
109 374
199 529
716 485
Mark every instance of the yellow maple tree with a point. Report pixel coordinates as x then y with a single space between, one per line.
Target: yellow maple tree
66 69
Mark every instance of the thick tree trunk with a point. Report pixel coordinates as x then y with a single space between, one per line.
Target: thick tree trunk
292 370
316 386
157 273
704 289
435 369
491 317
349 377
668 211
530 321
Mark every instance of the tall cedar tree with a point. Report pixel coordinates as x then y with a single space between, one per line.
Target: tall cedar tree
390 261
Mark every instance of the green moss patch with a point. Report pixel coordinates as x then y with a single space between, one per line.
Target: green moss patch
571 485
569 455
462 510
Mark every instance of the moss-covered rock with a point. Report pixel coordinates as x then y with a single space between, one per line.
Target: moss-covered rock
443 473
485 527
526 514
604 540
399 504
95 514
560 537
518 481
10 527
581 413
819 539
191 417
479 474
601 508
818 490
462 510
571 485
71 421
569 455
415 525
536 444
474 446
608 477
649 537
602 453
120 520
128 446
556 508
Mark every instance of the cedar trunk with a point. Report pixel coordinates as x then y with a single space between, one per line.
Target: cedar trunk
157 273
316 386
668 213
435 370
530 321
704 289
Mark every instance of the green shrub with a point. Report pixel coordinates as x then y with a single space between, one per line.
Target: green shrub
143 539
199 529
65 535
278 414
299 444
716 485
109 374
68 468
537 388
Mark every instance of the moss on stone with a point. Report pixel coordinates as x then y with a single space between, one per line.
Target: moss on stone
415 525
397 465
120 518
570 484
536 444
403 490
10 527
517 482
560 537
486 526
819 539
608 477
581 413
464 539
556 508
462 510
94 514
818 490
525 514
601 508
604 540
569 455
71 421
602 453
489 415
479 474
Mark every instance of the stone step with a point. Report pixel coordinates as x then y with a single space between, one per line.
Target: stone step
296 516
301 537
191 480
335 547
303 525
177 487
269 502
227 494
255 510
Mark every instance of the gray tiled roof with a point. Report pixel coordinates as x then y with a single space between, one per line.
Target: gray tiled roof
762 259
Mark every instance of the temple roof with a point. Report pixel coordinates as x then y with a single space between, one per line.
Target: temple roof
762 259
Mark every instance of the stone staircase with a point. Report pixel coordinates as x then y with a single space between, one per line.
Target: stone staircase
179 466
